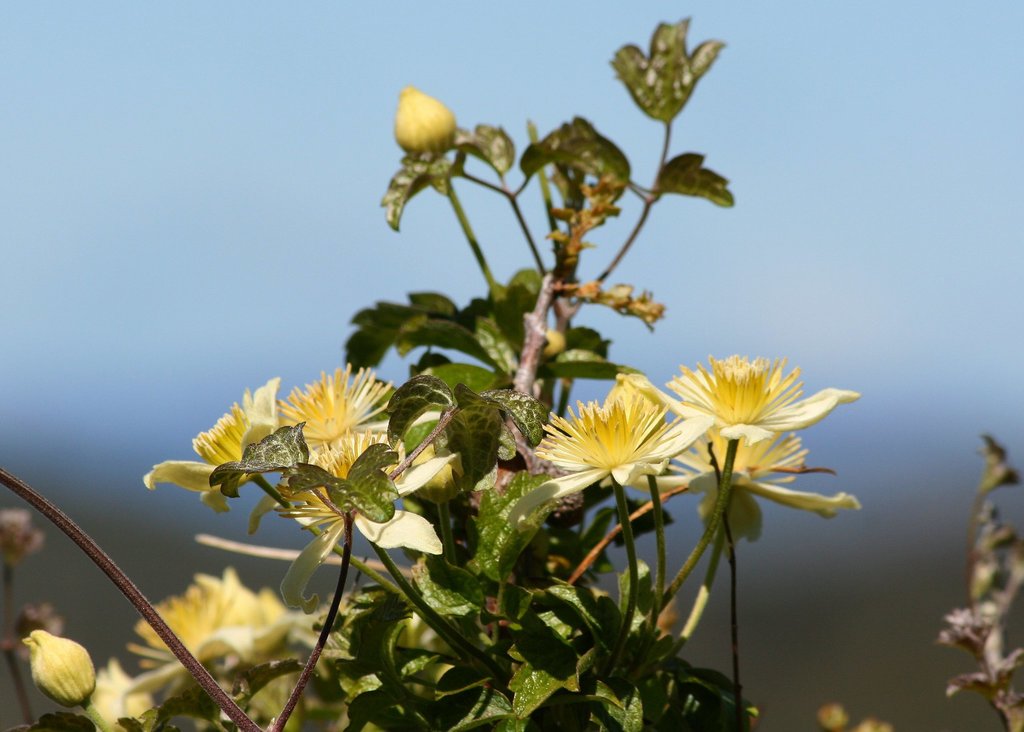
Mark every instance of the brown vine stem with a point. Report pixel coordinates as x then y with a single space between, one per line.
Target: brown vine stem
321 641
535 337
446 417
594 553
134 596
737 687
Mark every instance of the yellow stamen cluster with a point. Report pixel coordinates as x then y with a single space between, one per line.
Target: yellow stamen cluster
621 432
738 390
222 443
336 405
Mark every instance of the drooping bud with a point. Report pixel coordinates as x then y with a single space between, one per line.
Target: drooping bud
61 668
18 537
423 124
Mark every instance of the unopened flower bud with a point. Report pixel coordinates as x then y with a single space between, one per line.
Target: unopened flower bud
555 344
423 124
61 668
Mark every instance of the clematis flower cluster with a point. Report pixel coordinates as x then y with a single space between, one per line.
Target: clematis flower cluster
752 401
342 415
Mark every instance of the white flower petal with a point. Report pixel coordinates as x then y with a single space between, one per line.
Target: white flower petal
235 639
556 488
751 434
293 586
261 409
808 411
418 476
214 499
827 506
686 433
157 679
188 474
265 505
406 529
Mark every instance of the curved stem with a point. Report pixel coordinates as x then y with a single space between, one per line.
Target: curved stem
724 492
634 576
467 230
134 596
94 715
447 538
649 200
659 539
8 644
430 616
321 641
703 595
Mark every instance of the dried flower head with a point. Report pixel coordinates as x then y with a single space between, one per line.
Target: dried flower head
18 537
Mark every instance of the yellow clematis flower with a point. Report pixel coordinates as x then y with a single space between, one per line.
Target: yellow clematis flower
223 443
337 405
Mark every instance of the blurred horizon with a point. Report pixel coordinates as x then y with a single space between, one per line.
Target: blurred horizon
191 206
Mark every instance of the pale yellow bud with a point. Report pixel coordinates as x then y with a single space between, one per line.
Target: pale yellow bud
61 668
423 124
555 344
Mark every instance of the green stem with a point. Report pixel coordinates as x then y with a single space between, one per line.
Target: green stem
659 539
92 713
724 492
542 176
447 538
467 230
431 617
634 576
703 595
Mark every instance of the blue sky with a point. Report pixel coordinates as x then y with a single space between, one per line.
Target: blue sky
190 205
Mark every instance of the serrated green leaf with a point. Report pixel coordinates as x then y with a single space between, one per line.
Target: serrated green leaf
598 612
490 144
450 590
476 378
577 145
475 433
423 331
282 449
493 341
662 81
255 678
498 542
528 414
685 175
420 394
417 172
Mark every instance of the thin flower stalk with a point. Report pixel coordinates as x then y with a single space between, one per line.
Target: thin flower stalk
634 576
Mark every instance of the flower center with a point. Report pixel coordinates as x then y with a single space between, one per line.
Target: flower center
738 390
222 443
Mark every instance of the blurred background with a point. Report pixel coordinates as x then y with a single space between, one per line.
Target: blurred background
190 204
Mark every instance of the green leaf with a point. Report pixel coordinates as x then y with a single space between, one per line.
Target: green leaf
645 594
549 665
422 331
476 378
283 449
372 497
475 433
255 678
433 302
449 590
598 612
458 679
380 709
506 443
369 488
661 83
513 301
528 414
417 172
685 175
490 144
586 339
193 702
579 364
707 702
378 326
498 348
420 394
498 542
62 722
626 714
577 145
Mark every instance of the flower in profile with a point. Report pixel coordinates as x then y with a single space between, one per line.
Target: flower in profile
313 508
423 124
337 405
217 618
754 400
625 438
760 470
222 443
